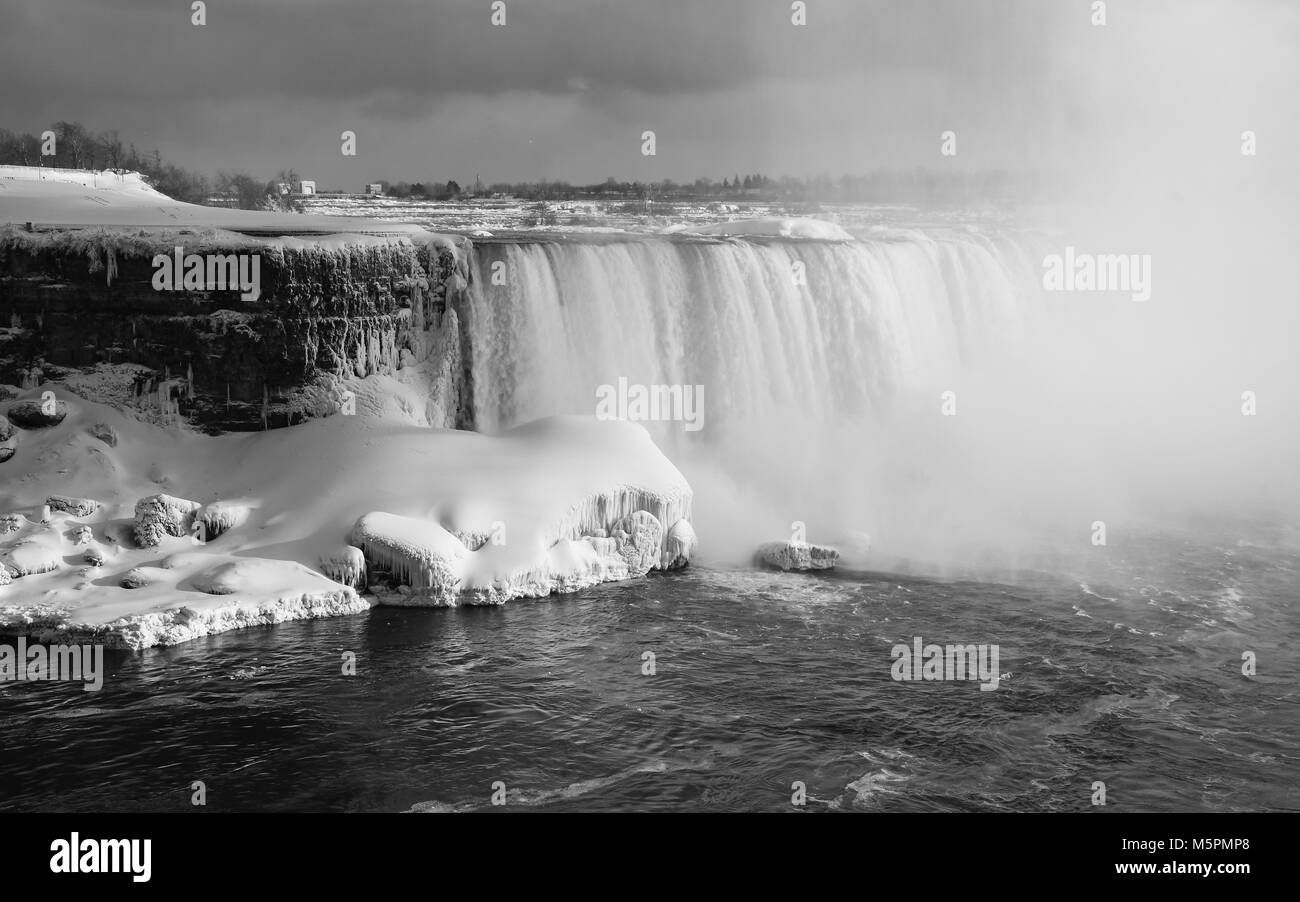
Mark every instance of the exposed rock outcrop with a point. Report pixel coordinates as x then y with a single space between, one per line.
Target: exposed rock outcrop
346 308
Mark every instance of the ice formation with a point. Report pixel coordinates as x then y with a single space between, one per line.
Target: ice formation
769 227
345 564
796 556
681 542
220 517
420 554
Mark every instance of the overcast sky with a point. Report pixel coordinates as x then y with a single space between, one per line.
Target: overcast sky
564 90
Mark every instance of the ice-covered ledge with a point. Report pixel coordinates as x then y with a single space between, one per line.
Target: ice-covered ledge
139 535
318 299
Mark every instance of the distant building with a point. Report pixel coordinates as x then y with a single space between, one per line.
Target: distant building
375 189
306 188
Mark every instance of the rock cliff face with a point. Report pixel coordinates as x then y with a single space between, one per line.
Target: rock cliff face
80 306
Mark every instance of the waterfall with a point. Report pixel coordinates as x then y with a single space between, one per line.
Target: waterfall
828 330
822 364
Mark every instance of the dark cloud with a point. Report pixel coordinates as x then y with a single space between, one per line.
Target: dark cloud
134 51
565 88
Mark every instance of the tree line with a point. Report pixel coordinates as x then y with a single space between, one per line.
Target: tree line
77 147
918 185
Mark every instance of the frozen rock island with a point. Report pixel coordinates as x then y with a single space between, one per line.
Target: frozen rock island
796 556
167 534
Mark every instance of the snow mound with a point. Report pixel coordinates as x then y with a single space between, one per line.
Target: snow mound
84 197
40 551
248 575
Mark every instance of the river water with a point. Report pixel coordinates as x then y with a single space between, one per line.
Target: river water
1125 669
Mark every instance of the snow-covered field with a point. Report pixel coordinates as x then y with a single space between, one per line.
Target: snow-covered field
76 198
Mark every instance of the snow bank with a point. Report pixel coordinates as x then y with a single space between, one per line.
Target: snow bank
57 198
553 506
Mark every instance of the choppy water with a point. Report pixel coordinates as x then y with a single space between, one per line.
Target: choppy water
1126 671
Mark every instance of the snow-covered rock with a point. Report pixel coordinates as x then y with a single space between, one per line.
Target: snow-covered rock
77 507
418 553
796 556
139 577
6 429
36 414
158 516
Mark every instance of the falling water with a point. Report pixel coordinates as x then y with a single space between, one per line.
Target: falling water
833 330
804 350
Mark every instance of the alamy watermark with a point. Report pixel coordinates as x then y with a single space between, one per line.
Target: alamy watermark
75 855
633 401
946 662
1073 271
180 271
57 663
